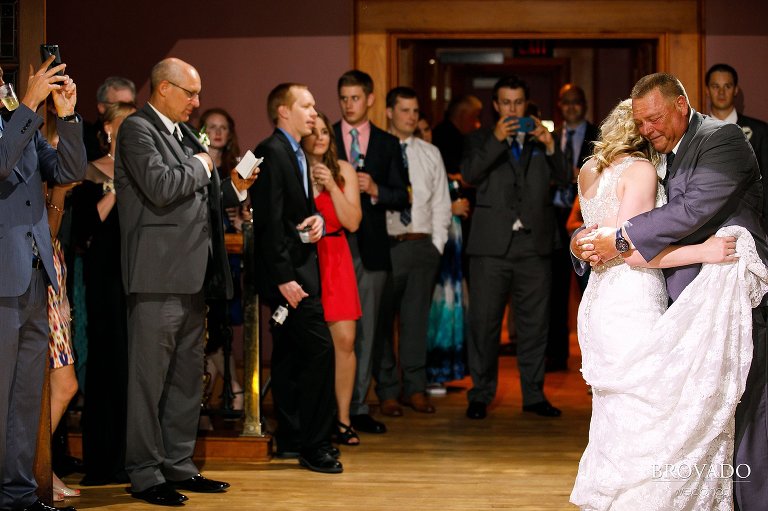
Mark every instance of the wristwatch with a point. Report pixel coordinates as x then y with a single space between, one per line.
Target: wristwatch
622 245
68 118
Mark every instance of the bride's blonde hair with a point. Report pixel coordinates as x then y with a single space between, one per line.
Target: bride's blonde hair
620 137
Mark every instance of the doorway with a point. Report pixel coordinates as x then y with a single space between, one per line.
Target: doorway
442 68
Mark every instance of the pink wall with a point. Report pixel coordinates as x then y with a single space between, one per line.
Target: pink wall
241 50
737 34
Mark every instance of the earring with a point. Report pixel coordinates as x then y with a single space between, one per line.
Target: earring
109 138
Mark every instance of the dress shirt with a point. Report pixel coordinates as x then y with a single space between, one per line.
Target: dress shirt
431 205
363 136
579 132
296 147
731 117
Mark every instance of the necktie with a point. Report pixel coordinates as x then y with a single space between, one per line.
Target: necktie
303 169
177 133
405 214
514 150
670 159
354 149
569 156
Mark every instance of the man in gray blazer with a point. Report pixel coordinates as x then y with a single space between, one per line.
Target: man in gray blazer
26 160
712 180
173 257
510 246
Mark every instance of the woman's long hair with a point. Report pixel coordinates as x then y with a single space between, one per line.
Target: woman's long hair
619 137
331 157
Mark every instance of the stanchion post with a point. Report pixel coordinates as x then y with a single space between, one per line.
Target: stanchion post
252 425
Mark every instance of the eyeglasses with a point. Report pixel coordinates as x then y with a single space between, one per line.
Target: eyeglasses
190 95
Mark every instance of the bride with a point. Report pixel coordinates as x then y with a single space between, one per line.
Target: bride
665 381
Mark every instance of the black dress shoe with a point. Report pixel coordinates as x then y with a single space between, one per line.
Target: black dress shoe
476 410
41 506
201 484
544 409
367 424
321 461
161 494
333 451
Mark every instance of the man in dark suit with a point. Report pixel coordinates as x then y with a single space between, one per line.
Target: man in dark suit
383 182
575 138
169 198
26 161
722 88
712 180
510 244
288 273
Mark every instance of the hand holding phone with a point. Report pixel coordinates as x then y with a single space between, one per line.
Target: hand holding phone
526 124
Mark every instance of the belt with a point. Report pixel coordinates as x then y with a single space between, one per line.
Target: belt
409 236
37 263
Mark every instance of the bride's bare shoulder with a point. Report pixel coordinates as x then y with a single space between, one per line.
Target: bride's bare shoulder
587 174
641 169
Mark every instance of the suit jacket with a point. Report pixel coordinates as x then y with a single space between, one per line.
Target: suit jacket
756 132
171 224
280 204
26 160
507 190
384 162
714 181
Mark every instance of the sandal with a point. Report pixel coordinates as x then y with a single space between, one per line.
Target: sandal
345 435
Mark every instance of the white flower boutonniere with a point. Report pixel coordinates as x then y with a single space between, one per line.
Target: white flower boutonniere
747 132
202 137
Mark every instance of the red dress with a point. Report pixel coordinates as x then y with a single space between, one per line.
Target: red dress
339 295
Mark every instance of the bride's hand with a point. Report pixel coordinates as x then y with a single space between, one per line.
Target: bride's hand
719 250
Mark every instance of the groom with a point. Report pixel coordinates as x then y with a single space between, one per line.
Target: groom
712 180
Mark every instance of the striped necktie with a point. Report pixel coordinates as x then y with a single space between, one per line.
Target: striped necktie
354 149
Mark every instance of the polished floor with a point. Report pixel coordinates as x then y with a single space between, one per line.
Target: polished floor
510 460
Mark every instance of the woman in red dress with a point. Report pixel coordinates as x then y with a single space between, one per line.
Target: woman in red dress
340 207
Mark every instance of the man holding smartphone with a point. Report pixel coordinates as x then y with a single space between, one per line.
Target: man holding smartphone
510 245
26 161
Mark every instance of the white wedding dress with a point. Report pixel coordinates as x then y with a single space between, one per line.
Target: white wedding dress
665 382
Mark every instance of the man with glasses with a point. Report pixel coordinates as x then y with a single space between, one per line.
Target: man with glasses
169 198
115 89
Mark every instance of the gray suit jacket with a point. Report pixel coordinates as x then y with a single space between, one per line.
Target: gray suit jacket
714 181
507 190
26 160
170 212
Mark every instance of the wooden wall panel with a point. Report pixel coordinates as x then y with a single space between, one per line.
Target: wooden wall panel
676 26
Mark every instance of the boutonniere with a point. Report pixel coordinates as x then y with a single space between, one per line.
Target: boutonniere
747 132
202 137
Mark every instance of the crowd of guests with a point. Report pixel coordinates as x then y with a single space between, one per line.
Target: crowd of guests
395 260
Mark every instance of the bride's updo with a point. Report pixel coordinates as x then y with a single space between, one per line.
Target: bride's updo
620 137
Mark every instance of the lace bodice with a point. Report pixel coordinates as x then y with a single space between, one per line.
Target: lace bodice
605 203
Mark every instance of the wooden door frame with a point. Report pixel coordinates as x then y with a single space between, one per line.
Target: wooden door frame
381 24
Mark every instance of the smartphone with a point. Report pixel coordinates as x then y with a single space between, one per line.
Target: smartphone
46 50
526 124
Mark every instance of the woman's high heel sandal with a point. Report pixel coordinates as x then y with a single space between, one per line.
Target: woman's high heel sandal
345 435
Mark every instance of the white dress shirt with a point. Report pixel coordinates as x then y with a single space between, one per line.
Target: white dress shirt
431 205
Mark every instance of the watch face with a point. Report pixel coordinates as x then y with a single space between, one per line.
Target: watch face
622 245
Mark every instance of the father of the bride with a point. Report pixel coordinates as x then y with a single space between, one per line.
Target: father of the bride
712 180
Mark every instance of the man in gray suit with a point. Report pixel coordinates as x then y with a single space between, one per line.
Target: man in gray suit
26 160
173 257
510 245
712 180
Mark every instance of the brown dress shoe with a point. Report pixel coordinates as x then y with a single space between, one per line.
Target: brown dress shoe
391 408
419 402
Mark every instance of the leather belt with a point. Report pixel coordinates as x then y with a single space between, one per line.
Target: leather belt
409 236
37 263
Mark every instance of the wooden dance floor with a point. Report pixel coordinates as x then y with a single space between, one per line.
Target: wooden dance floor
510 460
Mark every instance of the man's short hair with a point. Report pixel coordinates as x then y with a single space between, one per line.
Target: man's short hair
400 92
721 68
117 83
570 87
669 86
281 95
510 82
356 77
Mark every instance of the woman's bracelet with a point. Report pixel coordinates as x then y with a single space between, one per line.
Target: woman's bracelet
54 206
